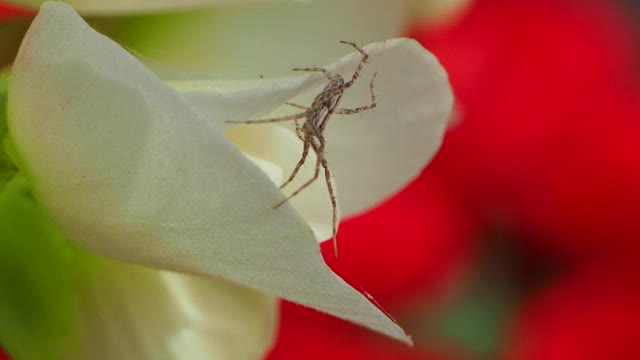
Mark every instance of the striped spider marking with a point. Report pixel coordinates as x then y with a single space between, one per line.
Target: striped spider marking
311 131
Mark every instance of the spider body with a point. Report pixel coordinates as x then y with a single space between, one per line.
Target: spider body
311 132
326 102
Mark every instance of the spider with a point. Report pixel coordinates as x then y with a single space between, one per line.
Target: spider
311 132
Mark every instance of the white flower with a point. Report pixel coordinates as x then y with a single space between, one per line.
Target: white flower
139 171
101 7
235 39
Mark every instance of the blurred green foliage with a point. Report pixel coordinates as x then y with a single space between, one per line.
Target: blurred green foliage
476 324
7 169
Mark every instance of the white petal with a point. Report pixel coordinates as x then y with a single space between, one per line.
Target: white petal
116 7
131 312
375 153
218 101
128 168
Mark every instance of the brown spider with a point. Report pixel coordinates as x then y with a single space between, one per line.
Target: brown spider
311 132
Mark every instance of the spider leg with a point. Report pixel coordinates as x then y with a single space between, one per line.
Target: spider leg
303 158
316 174
362 108
332 195
365 57
297 106
356 110
299 131
272 120
313 69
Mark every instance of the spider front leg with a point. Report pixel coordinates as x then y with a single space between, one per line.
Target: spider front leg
272 120
297 106
365 57
362 108
314 69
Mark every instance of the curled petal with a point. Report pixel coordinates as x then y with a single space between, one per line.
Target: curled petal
375 153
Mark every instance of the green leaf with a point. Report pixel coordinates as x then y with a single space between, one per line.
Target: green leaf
40 278
7 169
477 324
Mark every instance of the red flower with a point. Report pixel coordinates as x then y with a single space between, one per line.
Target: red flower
412 245
309 335
530 78
591 314
8 11
586 199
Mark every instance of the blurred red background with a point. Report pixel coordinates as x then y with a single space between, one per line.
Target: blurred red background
522 240
10 12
